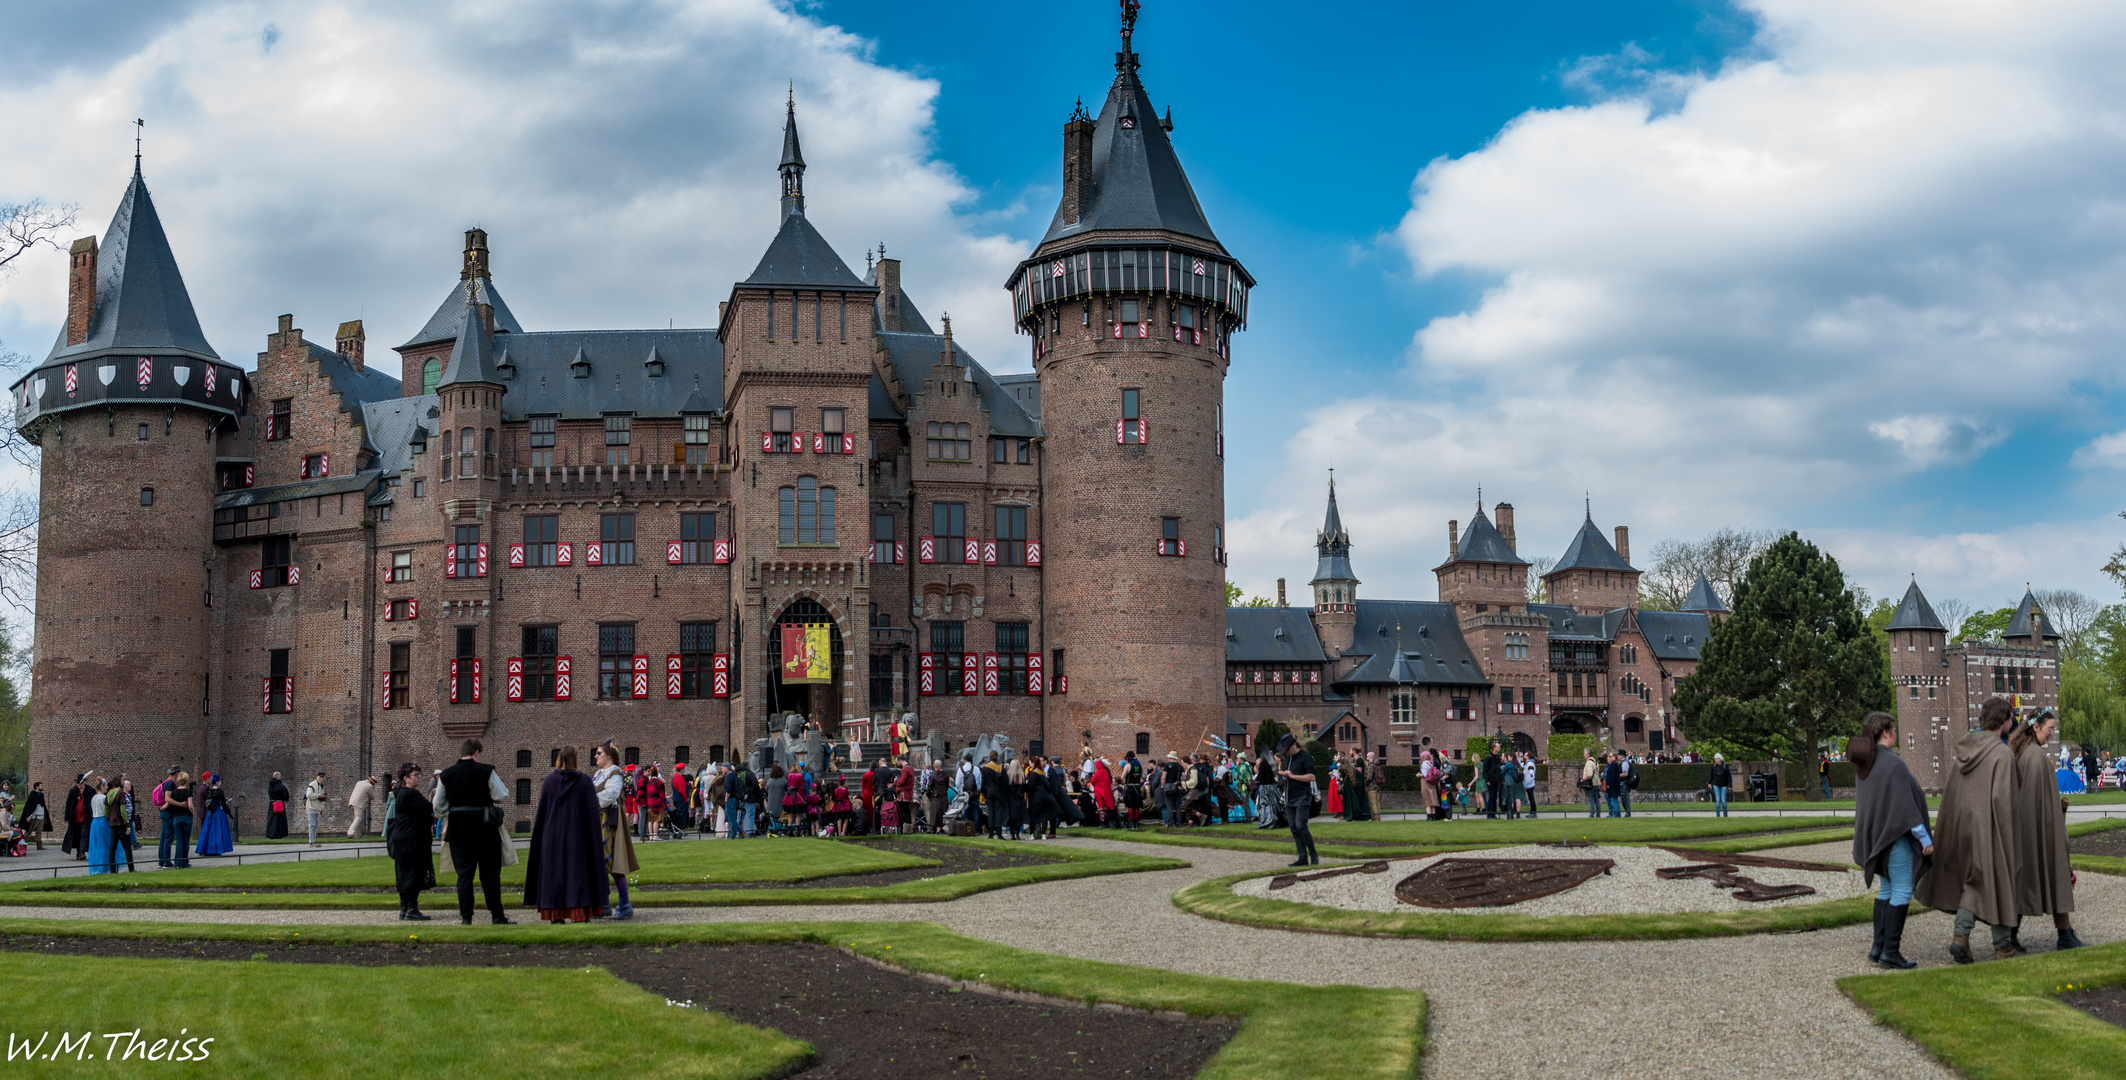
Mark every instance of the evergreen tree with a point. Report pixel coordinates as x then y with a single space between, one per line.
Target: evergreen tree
1796 664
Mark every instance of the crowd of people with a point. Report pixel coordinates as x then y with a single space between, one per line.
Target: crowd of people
100 820
1996 852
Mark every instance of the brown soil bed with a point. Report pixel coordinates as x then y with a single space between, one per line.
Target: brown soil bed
2105 1003
866 1022
2110 842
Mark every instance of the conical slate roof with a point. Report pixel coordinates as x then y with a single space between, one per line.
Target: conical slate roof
1704 598
1334 546
801 257
1136 180
1589 550
2020 627
1482 543
791 155
141 302
1914 613
443 325
472 357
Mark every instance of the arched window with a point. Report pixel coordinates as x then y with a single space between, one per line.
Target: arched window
431 373
468 460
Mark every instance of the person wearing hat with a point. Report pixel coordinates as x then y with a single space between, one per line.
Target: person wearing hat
314 804
1296 767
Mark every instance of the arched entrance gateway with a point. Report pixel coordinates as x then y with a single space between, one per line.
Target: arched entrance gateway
807 698
1567 725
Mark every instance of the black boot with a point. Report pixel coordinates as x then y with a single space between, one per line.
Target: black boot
1893 936
2069 939
1875 953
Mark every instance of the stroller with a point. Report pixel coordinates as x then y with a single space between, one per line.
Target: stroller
889 816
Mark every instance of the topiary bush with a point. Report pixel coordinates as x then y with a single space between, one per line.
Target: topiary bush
1267 735
1401 778
1476 746
1323 758
1565 747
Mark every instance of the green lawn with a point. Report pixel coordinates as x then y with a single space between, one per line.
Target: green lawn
113 892
666 863
2003 1021
1537 830
273 1020
1287 1031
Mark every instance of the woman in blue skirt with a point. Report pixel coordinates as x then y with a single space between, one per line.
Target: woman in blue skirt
214 822
102 853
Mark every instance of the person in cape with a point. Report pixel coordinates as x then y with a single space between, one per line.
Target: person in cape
1890 837
214 838
277 808
406 839
1973 873
566 877
2044 879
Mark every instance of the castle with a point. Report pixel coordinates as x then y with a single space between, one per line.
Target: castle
542 538
1393 677
1941 686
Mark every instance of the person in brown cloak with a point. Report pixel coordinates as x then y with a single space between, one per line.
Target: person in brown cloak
2044 881
1973 872
1890 838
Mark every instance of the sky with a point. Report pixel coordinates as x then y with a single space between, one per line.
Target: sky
1846 267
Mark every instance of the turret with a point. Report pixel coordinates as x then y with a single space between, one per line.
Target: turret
1130 303
1335 584
1592 576
126 410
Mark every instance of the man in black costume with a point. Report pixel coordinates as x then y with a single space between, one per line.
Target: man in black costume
1298 774
276 808
469 797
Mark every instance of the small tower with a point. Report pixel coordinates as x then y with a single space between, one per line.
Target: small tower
126 410
424 355
470 399
1919 673
1705 600
2030 629
1335 584
1592 577
1482 571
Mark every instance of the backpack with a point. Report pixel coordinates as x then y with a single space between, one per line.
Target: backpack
748 786
160 790
1631 778
1188 779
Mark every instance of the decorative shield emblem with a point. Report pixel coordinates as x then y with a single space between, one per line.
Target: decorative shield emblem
206 377
1460 883
144 370
182 373
106 373
39 387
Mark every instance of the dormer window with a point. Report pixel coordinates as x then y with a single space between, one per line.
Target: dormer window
581 368
654 366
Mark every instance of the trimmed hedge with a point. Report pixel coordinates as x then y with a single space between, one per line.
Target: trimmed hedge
1568 747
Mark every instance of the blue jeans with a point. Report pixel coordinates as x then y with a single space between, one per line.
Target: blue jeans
1901 871
1594 802
162 844
176 829
1719 802
1826 786
1612 806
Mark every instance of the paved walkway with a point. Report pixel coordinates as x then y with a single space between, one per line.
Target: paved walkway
1763 1004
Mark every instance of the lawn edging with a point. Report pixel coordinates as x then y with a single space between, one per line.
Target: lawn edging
2003 1020
1215 899
1287 1030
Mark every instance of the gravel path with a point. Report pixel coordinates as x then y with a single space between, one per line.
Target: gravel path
1765 1004
1629 887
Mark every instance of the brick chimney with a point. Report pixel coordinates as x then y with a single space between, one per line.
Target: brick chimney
1502 516
1077 166
1624 543
1454 540
475 255
350 340
889 294
81 290
1280 592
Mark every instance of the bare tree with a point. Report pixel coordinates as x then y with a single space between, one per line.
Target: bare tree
2071 614
1722 557
1952 613
26 225
1538 591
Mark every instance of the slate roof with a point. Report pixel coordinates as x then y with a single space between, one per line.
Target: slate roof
391 425
1703 597
141 302
1024 388
1136 180
1333 546
1675 635
1569 625
443 325
1251 636
472 355
1481 542
913 355
799 257
331 485
912 320
2020 627
1589 550
538 372
1914 613
1432 647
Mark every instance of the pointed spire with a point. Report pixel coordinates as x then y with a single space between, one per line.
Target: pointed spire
1914 613
472 356
141 304
1332 526
793 160
1332 546
1703 597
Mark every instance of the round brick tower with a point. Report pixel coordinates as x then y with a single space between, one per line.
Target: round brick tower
128 410
1131 302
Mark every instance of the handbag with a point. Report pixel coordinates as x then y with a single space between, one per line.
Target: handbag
509 850
279 807
494 815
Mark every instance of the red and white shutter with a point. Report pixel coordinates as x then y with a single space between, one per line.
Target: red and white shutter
388 605
673 551
1062 684
1033 553
513 678
324 464
287 693
640 687
926 550
564 553
819 442
970 674
1118 330
1238 678
450 560
848 444
295 574
671 675
387 690
1181 548
1118 431
723 551
560 678
989 553
1033 674
413 609
267 707
453 682
1314 677
250 475
594 553
720 674
873 555
1144 433
989 673
482 555
516 555
258 579
476 679
767 442
900 552
971 551
927 664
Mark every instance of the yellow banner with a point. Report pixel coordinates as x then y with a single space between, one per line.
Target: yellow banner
807 653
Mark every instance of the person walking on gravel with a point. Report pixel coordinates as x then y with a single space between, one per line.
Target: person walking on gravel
2044 879
1719 780
1890 837
1298 774
1973 872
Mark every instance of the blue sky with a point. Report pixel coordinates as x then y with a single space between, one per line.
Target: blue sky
1845 267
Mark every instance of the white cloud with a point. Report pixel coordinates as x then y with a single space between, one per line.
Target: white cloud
323 159
2103 452
1881 245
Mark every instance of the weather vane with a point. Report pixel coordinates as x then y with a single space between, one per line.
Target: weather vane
1129 21
138 126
